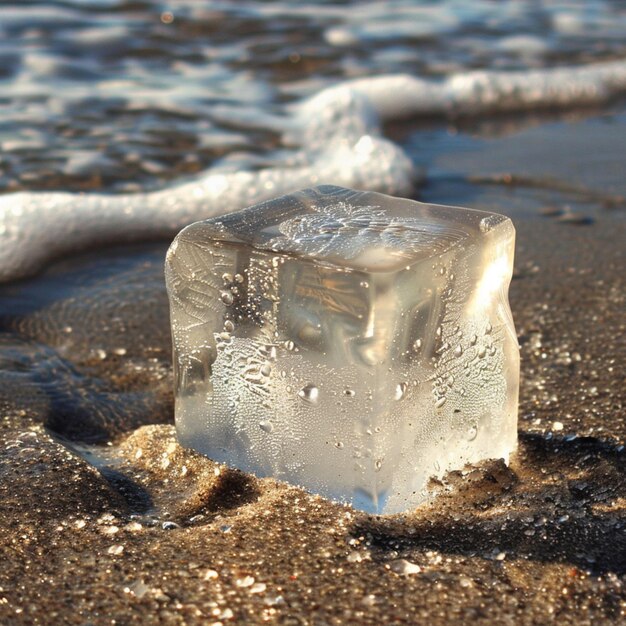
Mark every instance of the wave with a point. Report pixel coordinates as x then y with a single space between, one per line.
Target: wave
336 137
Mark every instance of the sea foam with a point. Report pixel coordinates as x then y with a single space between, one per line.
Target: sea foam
336 137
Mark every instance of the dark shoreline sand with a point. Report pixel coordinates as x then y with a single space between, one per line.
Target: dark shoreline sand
159 534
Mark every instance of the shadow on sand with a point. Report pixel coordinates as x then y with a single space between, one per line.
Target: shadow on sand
562 500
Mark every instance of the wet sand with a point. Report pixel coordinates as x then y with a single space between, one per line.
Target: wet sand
106 520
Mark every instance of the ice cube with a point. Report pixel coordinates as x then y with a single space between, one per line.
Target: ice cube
349 342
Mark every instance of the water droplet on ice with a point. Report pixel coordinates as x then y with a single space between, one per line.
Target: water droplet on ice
229 326
310 394
378 464
227 278
440 402
485 224
350 393
289 345
458 351
400 391
488 328
417 345
339 445
481 352
227 298
471 434
266 369
238 278
266 426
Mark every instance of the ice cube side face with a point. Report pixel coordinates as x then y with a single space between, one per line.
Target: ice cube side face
348 342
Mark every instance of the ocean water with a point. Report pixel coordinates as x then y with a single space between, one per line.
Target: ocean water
136 92
173 112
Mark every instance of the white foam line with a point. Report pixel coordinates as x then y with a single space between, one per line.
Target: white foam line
38 226
402 95
338 132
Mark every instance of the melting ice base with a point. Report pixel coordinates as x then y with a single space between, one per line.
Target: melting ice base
352 343
336 138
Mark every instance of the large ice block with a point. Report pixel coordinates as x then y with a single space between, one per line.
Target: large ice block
349 342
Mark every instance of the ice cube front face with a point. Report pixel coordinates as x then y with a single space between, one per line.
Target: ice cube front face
349 342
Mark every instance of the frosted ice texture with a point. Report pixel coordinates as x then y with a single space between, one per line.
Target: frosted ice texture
349 342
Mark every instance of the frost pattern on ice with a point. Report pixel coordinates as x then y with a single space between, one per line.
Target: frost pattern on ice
342 229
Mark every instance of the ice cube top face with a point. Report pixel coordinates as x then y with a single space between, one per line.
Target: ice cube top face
349 342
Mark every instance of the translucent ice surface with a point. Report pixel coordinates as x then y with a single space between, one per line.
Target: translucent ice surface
349 342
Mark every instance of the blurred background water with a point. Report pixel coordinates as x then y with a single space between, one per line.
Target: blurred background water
129 94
